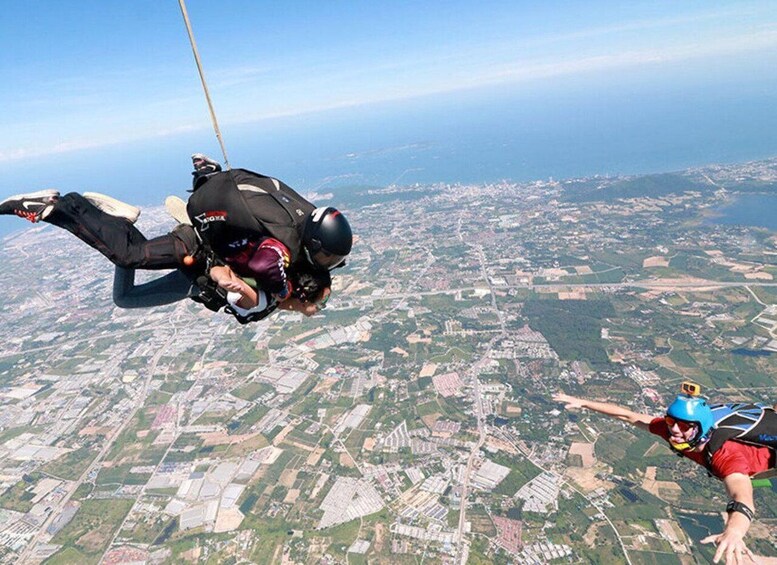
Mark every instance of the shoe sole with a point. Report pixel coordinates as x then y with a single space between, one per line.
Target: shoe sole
114 207
176 207
49 193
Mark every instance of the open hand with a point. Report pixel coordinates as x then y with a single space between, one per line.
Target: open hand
570 402
731 545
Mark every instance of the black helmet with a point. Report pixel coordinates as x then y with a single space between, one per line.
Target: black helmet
328 238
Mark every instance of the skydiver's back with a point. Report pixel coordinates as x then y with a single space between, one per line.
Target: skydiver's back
232 205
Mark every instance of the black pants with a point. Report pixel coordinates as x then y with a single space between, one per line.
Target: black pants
168 289
119 240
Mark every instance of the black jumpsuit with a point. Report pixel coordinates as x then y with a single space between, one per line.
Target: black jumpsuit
127 248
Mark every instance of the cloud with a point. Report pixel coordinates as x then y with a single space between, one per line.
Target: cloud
766 39
517 72
80 144
408 79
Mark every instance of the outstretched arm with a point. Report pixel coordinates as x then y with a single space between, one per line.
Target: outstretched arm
641 421
731 544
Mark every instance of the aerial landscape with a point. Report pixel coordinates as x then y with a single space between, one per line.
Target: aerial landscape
561 240
418 419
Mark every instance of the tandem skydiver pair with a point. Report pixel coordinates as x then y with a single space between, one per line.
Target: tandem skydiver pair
252 244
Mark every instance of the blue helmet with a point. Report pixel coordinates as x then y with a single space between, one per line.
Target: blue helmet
694 410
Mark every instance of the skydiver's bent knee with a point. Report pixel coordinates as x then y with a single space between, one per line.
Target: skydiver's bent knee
164 252
168 289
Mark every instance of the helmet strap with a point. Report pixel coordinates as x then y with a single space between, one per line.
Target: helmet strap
681 446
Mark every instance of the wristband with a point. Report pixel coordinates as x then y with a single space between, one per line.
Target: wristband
736 506
286 291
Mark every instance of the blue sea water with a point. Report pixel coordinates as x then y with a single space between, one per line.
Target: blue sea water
553 128
518 134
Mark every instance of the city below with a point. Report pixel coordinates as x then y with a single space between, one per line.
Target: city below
411 421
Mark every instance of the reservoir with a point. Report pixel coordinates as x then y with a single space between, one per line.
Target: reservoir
698 527
749 210
751 352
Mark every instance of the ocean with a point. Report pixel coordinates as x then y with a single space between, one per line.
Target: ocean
485 136
565 128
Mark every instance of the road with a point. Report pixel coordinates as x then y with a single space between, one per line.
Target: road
474 371
110 440
653 284
569 484
473 454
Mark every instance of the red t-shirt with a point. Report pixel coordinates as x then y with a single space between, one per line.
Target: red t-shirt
732 457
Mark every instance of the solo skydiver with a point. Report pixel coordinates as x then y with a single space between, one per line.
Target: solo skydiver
733 442
293 273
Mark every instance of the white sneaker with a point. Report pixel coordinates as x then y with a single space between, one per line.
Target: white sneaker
113 207
176 207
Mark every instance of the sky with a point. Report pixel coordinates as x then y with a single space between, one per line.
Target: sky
86 84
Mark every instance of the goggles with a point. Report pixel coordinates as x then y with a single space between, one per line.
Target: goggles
682 425
323 258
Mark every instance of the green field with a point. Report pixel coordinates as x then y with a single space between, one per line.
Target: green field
71 465
572 327
92 528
